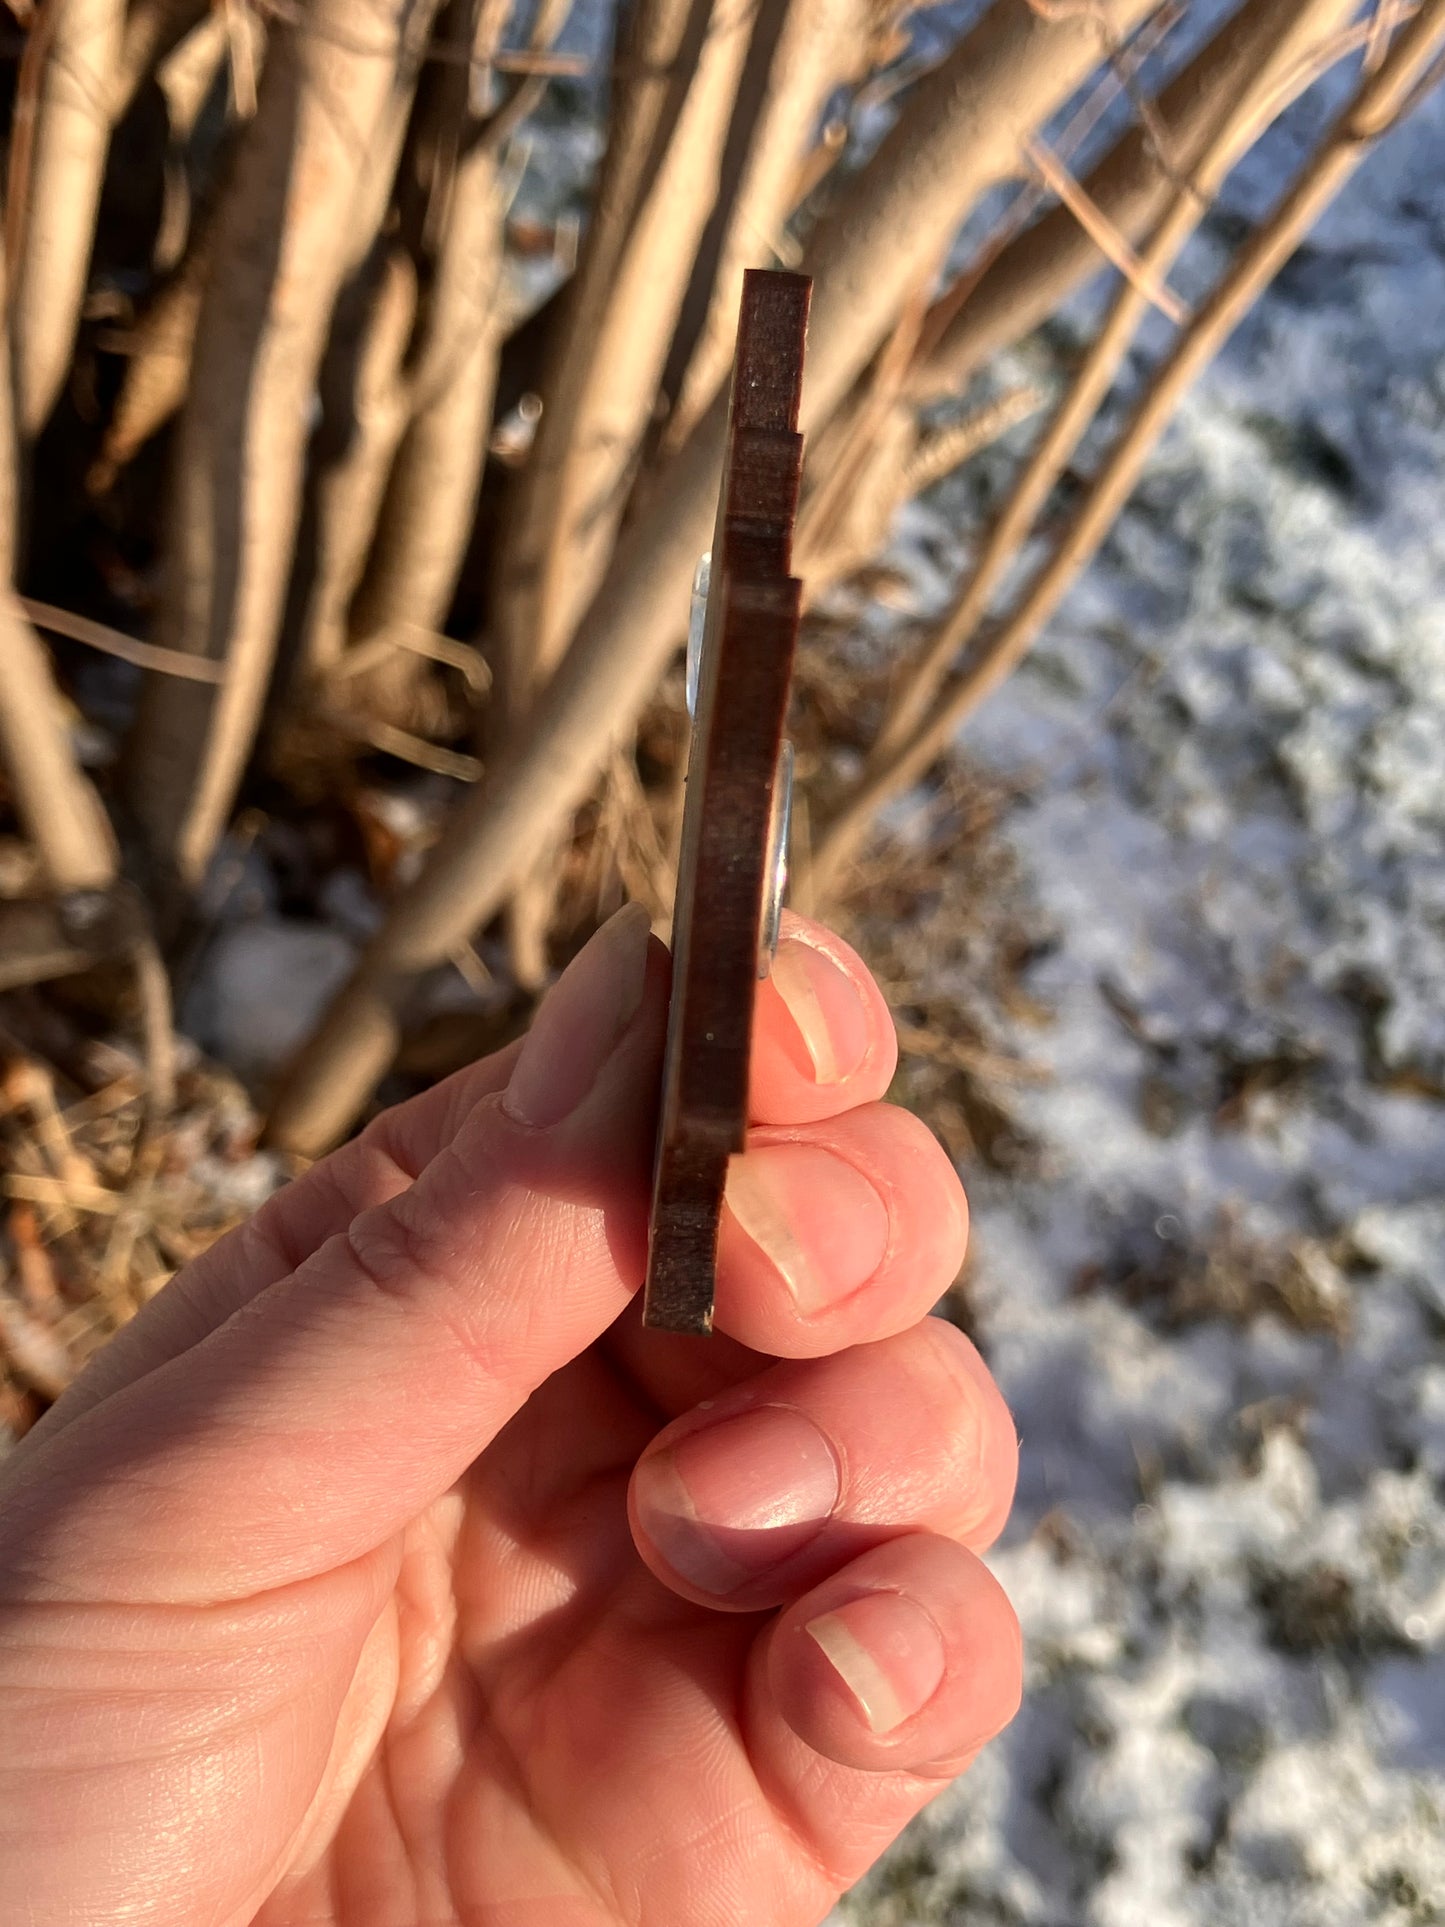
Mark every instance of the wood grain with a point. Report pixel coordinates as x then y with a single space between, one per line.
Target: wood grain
747 666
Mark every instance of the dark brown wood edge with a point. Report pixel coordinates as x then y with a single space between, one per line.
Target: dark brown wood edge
752 628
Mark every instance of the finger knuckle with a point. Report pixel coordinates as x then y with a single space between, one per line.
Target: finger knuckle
402 1249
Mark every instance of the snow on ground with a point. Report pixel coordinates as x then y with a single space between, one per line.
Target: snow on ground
1217 1308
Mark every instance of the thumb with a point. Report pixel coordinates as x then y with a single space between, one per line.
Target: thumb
329 1410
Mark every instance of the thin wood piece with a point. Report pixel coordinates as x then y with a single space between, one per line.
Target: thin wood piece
752 626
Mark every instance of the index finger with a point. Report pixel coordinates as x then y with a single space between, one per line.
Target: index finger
823 1041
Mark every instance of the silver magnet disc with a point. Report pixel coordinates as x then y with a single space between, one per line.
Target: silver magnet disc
775 874
697 629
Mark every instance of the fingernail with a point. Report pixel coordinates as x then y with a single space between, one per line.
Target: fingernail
581 1019
814 1215
736 1499
888 1653
825 1005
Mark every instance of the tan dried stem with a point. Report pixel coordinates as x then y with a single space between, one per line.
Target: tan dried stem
1281 31
1130 187
680 66
960 136
159 346
401 503
300 210
365 407
901 463
55 174
153 29
862 451
54 799
785 86
110 642
425 516
1376 105
946 449
158 367
1106 237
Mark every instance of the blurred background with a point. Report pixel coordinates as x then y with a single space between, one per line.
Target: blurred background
369 365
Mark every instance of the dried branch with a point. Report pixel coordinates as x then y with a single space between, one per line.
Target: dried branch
426 513
1130 188
890 222
110 642
680 67
1281 30
422 642
897 463
398 509
402 744
58 806
153 29
55 800
364 408
157 1026
1371 113
1106 237
946 449
814 45
682 63
55 192
158 370
300 210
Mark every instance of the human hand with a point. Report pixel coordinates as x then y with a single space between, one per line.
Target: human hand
385 1571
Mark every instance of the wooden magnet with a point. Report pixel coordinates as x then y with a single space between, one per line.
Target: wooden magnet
734 831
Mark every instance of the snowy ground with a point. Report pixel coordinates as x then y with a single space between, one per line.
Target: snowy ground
1218 1307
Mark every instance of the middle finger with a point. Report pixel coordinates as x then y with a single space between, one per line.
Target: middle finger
760 1493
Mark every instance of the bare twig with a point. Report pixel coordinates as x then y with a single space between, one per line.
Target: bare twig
861 449
300 210
460 52
1383 21
153 993
34 945
940 453
158 371
55 800
79 1197
1101 231
1097 99
917 1040
683 61
406 493
110 642
364 409
402 744
1370 114
1279 31
422 642
66 158
427 508
606 356
152 29
1027 279
814 45
21 160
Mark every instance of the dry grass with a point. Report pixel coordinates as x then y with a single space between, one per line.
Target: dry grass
98 1205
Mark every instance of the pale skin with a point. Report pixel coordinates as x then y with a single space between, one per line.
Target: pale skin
386 1573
